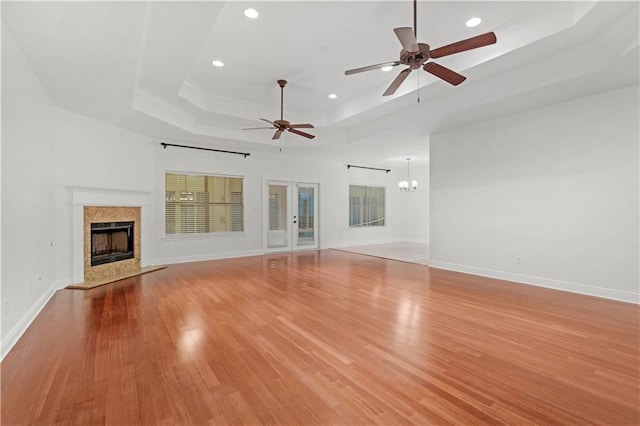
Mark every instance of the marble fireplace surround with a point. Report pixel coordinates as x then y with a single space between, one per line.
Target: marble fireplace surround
101 214
82 197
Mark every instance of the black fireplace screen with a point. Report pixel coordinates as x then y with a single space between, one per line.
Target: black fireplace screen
111 242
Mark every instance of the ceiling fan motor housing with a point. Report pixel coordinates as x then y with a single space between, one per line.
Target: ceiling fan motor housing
416 59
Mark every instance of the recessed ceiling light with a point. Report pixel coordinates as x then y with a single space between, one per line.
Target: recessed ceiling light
217 63
333 96
387 68
251 13
473 22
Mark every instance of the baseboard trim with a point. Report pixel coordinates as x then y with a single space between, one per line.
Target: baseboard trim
203 257
415 241
606 293
9 341
357 243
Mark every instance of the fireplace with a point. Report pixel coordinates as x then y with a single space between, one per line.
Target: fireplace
111 242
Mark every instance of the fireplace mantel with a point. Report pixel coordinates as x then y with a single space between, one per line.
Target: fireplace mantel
84 196
79 197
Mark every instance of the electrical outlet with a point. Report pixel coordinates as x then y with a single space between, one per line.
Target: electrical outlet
518 261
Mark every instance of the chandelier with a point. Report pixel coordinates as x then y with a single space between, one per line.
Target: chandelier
408 185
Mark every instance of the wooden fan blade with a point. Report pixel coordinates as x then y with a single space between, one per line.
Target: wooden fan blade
256 128
444 73
270 122
407 39
298 132
277 134
301 126
461 46
397 82
372 67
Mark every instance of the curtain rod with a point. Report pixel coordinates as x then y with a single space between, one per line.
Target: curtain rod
370 168
165 145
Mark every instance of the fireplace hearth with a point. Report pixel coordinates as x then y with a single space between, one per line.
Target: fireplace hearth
111 242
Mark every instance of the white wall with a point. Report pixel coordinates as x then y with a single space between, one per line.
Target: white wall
44 151
28 226
415 205
556 187
333 178
92 154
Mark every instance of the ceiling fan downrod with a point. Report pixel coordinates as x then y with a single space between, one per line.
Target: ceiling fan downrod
282 83
415 19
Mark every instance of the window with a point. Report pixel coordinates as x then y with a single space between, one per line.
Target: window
201 204
366 206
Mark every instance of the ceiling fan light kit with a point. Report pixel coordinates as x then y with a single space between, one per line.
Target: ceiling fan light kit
416 55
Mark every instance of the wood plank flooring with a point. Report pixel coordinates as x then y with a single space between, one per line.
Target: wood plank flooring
403 251
323 337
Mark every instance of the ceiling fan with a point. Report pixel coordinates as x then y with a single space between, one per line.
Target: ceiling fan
416 55
282 125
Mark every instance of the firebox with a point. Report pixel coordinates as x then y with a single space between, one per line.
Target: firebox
111 242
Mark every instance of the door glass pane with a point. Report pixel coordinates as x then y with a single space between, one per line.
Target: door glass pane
278 221
306 216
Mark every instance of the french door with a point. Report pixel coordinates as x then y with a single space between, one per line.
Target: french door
291 216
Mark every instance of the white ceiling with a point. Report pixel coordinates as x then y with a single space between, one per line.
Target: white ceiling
147 67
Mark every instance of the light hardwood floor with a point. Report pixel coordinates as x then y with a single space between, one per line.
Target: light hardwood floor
403 251
323 337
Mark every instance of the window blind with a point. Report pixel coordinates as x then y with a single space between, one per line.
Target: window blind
200 204
366 205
